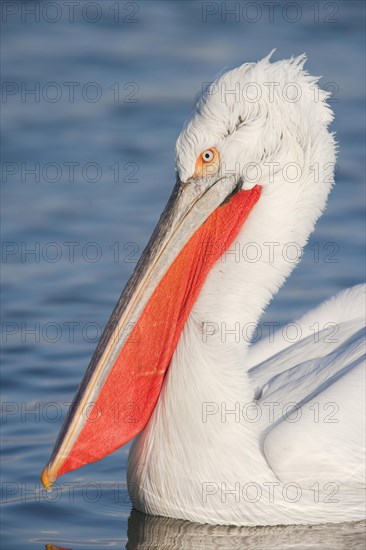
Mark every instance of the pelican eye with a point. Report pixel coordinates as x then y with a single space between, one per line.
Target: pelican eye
207 163
208 155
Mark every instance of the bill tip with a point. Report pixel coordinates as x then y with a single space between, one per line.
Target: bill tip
47 479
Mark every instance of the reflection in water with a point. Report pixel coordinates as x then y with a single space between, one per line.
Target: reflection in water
158 533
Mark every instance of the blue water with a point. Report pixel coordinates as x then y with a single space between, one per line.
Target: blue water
86 229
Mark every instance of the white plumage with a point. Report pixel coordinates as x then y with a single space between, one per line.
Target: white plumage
195 459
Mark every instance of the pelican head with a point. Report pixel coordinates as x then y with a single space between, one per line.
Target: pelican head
259 130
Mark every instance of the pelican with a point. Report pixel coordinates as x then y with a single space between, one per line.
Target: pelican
225 431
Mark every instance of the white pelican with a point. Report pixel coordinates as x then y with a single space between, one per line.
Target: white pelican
254 165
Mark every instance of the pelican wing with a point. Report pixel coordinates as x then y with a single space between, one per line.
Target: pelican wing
313 393
336 320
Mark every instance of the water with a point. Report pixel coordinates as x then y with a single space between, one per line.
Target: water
87 235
